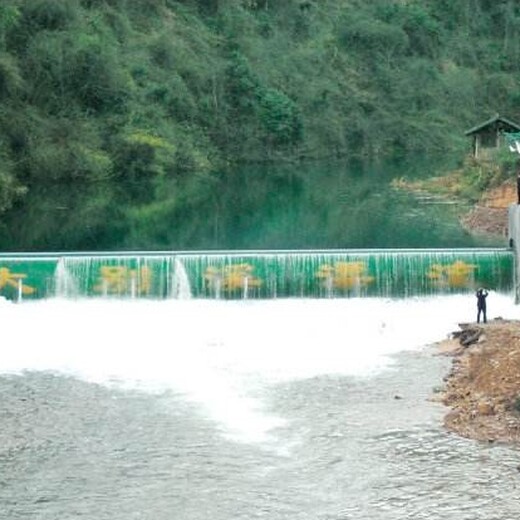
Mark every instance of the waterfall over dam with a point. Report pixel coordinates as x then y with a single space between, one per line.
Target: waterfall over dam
256 274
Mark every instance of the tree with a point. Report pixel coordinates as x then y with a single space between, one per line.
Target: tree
9 16
280 117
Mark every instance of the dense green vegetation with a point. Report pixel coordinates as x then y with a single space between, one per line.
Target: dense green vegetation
168 95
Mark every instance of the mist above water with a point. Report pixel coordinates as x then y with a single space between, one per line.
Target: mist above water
224 355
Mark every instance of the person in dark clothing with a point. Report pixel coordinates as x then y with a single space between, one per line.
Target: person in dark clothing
481 304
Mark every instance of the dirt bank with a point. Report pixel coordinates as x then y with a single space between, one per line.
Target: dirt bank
489 216
483 388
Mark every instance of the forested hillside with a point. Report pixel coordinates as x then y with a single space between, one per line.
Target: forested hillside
165 90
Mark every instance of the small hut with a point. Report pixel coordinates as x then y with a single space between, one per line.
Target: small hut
490 133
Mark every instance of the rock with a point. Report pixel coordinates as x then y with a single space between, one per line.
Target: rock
468 335
485 408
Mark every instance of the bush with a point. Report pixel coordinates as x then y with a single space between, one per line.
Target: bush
280 117
93 72
11 82
51 15
10 191
9 16
241 83
371 34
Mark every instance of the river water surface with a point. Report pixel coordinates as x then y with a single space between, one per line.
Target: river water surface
188 410
321 205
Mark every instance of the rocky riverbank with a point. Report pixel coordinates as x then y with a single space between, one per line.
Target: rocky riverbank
489 216
482 389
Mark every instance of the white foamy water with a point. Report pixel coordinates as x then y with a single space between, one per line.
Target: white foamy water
222 355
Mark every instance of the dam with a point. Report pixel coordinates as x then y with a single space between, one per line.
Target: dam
264 273
243 384
393 273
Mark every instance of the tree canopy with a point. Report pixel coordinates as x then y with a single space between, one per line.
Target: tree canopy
163 92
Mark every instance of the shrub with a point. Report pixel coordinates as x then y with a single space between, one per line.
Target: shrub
10 190
50 15
10 79
280 117
93 72
516 404
9 16
371 34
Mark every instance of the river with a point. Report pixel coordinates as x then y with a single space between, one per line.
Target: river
317 205
229 410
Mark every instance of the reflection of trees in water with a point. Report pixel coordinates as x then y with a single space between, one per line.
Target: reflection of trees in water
289 207
64 217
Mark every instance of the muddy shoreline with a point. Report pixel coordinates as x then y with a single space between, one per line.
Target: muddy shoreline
482 389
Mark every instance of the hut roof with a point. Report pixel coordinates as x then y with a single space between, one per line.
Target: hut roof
507 124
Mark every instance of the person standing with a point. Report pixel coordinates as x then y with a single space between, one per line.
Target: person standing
481 304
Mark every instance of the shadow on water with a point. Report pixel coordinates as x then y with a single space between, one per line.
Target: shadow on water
316 205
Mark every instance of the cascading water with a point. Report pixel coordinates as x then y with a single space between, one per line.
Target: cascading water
66 285
260 274
180 282
121 276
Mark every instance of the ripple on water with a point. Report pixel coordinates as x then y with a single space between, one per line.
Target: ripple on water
346 449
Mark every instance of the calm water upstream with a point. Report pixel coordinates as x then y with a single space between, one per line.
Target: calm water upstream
277 409
311 206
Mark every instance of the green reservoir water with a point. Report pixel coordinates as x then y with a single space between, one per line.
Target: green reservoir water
319 205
